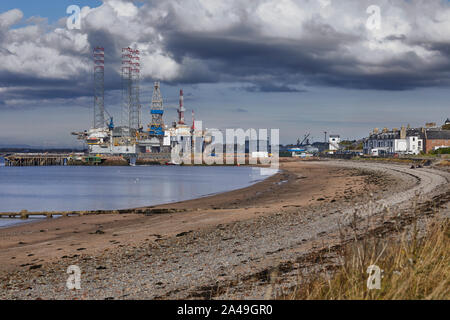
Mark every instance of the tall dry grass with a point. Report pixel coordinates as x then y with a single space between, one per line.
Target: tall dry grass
413 268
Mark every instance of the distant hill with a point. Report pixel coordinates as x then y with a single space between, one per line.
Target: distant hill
22 148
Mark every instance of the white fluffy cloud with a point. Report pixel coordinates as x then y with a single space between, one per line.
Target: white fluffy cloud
9 18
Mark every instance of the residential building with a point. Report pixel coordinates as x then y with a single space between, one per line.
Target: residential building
403 141
408 140
435 139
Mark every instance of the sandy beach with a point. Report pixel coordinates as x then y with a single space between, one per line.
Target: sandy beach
223 246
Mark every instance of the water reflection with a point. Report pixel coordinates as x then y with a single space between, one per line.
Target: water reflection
95 188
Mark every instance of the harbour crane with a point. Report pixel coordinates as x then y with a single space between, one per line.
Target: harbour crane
304 139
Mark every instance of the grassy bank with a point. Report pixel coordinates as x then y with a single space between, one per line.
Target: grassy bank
413 268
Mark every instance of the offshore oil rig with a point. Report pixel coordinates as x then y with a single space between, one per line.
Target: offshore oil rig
130 138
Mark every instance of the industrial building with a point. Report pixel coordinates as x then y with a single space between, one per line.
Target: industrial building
104 138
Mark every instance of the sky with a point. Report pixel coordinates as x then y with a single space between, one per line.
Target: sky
301 66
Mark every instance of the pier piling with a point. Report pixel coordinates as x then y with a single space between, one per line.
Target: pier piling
24 214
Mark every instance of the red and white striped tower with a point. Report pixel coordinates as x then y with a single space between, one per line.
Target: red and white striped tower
193 121
126 85
181 109
130 88
135 104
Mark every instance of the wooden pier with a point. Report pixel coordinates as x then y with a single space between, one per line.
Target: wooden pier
25 214
36 159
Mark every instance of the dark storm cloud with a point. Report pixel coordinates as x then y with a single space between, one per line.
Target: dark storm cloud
20 86
11 79
394 37
320 61
241 57
442 48
227 58
269 87
49 92
318 51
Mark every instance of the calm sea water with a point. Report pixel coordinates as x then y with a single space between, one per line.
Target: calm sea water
95 188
